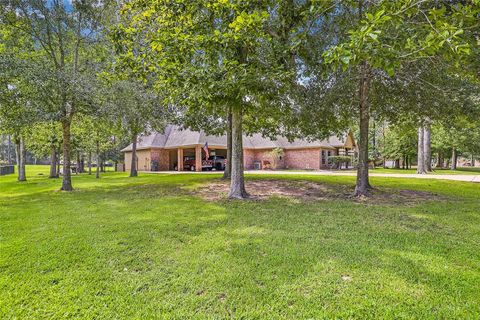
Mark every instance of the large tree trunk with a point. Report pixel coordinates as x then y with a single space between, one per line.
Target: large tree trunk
58 161
97 173
90 162
79 165
421 152
397 164
102 158
115 162
67 173
228 165
363 184
454 159
237 183
133 167
21 160
82 164
9 150
440 160
427 145
53 162
17 151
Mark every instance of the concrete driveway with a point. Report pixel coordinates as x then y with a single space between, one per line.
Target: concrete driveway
459 177
455 177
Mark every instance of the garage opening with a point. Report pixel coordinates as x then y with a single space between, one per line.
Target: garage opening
216 160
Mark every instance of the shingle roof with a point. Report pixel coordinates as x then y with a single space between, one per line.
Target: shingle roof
174 137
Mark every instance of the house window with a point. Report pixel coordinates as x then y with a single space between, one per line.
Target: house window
324 157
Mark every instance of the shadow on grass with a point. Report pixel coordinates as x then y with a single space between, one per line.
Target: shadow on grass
148 247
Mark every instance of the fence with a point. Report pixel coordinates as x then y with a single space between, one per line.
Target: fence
4 170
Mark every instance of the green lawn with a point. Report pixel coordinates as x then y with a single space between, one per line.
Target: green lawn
150 247
460 170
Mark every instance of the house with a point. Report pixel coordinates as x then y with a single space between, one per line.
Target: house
169 151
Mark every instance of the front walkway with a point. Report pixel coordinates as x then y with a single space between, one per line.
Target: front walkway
467 178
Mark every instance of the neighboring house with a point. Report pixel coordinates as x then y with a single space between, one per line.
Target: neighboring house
171 149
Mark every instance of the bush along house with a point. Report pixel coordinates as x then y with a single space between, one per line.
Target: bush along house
179 149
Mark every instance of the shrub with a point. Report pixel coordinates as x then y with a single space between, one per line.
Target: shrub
276 155
339 159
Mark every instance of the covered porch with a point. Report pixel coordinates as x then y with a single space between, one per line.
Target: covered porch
193 158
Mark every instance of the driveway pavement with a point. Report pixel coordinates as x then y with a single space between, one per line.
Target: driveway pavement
455 177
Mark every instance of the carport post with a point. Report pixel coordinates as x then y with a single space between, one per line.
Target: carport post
180 159
198 158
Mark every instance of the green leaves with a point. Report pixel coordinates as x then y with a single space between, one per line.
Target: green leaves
203 55
395 32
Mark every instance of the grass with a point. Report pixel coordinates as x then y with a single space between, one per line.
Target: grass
460 170
436 171
149 247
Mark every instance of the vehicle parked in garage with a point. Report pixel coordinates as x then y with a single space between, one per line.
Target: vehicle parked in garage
189 164
219 162
215 162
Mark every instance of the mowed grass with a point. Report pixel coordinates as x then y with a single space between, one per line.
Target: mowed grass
150 247
459 171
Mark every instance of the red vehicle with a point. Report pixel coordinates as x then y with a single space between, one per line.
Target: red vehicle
216 162
189 164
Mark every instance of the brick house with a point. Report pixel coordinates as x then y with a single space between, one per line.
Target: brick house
168 150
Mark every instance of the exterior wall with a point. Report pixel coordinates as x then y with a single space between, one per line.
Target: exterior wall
251 156
248 159
144 158
127 160
303 158
350 143
308 158
264 157
162 156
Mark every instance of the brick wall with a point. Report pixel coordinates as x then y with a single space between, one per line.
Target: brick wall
163 158
251 156
302 158
264 155
292 159
248 159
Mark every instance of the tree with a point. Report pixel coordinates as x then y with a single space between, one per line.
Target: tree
389 35
459 136
96 132
220 59
138 111
16 110
15 119
64 33
45 140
